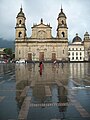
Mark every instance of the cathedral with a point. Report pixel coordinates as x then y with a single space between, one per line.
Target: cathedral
41 45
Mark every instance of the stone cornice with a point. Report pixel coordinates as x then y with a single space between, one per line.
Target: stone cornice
52 41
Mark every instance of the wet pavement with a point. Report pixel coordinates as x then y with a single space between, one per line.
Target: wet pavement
55 93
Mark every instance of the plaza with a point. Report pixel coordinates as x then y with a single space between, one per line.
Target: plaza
58 93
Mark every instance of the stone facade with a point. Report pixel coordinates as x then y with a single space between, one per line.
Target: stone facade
41 45
86 43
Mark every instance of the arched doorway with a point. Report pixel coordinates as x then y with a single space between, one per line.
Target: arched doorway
30 56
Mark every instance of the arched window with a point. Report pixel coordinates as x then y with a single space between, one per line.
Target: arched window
63 34
62 22
20 21
63 51
20 34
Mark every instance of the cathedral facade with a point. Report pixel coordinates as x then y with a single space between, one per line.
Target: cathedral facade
41 45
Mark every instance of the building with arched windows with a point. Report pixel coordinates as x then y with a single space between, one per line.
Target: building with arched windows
42 46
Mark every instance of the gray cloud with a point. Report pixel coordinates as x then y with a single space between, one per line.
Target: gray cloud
77 12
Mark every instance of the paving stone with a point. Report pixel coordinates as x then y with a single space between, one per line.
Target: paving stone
24 109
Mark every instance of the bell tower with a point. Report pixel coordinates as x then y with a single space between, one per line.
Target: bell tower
87 46
20 26
62 30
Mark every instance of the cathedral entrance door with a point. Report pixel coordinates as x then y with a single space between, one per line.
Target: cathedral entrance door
53 56
30 56
41 56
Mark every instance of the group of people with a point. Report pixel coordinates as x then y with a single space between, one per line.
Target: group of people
55 62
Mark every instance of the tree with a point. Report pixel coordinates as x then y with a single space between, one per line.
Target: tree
8 52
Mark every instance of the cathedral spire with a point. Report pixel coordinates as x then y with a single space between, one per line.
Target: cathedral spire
61 8
21 8
41 21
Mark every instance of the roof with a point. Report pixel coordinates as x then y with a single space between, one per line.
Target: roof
21 14
41 25
86 34
77 39
61 14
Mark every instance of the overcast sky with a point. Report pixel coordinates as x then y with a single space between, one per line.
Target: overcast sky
77 12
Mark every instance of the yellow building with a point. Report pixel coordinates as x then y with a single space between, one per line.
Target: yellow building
41 45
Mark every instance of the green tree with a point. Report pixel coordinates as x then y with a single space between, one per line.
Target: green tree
8 52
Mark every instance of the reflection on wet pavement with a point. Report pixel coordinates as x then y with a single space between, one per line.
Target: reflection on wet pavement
59 93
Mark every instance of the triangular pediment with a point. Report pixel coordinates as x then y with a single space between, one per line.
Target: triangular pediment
41 26
41 31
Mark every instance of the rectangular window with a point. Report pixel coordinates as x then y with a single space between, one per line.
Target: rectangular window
72 53
80 53
68 53
76 53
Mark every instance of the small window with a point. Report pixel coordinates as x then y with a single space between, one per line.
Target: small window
20 34
76 53
80 58
72 58
63 51
72 48
76 58
68 53
72 53
63 34
62 22
20 21
80 53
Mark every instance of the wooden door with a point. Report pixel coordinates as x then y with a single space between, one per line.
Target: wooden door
30 56
53 56
41 56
